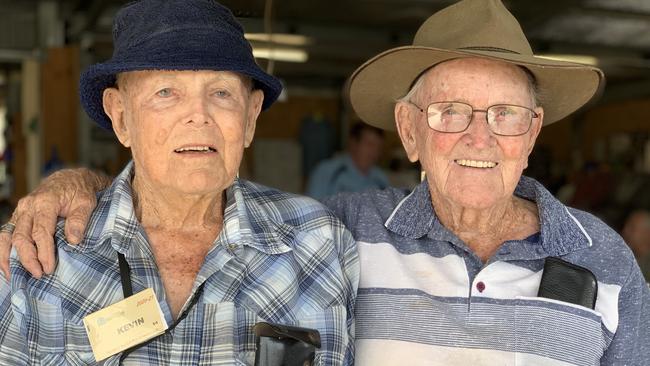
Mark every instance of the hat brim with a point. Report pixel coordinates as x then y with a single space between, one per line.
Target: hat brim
377 84
99 77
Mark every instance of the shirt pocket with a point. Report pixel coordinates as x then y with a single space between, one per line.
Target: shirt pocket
331 323
228 333
556 330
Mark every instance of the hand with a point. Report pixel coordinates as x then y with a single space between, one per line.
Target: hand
69 193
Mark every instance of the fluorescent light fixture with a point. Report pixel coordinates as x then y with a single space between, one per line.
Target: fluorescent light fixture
279 38
581 59
281 54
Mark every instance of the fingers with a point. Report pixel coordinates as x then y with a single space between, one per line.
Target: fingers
68 194
44 224
22 241
77 216
5 252
75 224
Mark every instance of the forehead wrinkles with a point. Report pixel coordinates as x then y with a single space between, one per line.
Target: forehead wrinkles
471 76
127 80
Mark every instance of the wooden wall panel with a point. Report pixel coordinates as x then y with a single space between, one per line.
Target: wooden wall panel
60 104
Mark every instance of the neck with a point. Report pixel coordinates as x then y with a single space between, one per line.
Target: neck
162 209
485 229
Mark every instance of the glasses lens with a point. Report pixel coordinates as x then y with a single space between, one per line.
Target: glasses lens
509 120
449 117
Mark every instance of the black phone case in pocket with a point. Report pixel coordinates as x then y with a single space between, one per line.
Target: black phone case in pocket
568 282
284 345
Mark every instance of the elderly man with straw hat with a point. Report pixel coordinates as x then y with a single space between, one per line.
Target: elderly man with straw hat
480 265
183 263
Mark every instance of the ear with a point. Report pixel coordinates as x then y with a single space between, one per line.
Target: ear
113 100
255 101
405 121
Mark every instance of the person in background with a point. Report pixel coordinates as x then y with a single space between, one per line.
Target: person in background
353 171
636 232
475 266
221 254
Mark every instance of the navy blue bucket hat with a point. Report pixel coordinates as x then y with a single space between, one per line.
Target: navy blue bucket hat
173 35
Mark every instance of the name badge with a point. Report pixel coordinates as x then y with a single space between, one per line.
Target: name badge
125 324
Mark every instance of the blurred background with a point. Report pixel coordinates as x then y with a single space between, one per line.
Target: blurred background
598 159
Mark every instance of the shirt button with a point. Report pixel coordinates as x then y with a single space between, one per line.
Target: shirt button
232 247
480 286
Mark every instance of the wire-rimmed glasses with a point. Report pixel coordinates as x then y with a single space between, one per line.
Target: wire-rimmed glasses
502 119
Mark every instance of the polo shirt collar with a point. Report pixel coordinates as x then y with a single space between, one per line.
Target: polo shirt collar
561 233
414 216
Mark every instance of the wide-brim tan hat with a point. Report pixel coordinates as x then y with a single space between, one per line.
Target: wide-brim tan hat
469 28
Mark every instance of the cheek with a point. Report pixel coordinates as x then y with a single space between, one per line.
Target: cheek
149 147
435 158
151 129
233 139
515 161
515 153
161 136
436 148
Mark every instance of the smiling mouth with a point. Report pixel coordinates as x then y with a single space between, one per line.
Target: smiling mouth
195 149
481 164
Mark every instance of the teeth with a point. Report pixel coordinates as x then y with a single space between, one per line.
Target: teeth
476 163
194 148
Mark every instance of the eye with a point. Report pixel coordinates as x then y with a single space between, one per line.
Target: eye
503 112
450 111
165 92
222 93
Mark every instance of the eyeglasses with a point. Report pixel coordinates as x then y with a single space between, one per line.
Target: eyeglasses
502 119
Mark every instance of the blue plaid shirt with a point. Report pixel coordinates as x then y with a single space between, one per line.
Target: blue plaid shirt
279 258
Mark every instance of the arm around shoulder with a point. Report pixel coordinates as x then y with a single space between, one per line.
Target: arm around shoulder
68 193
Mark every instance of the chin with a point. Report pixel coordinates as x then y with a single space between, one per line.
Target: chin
203 182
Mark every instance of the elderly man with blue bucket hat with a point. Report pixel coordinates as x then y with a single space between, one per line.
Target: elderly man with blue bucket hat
183 263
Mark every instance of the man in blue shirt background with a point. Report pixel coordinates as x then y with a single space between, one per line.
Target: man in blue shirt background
354 170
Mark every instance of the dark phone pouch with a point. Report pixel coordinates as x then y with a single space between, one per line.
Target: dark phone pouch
568 282
284 345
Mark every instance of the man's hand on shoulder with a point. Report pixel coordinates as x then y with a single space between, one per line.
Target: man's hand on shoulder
69 193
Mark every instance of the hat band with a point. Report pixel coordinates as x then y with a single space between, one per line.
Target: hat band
495 49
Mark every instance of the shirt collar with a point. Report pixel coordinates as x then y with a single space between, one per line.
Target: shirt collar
248 219
113 219
561 233
414 216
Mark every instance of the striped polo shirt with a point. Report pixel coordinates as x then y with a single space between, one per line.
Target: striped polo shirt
426 299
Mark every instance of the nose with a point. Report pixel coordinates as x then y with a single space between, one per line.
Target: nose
478 133
198 111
